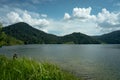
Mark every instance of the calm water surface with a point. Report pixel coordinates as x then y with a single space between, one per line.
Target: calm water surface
92 62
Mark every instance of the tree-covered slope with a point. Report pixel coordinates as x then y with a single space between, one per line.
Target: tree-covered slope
79 38
110 38
7 40
30 35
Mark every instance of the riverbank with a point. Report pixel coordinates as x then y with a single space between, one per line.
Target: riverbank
27 69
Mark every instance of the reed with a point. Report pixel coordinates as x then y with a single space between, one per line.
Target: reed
27 69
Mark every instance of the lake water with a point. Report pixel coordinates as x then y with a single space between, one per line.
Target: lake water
92 62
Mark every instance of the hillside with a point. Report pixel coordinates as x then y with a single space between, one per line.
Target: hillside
8 40
30 35
110 38
79 38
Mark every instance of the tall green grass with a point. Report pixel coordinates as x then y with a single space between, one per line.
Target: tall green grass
27 69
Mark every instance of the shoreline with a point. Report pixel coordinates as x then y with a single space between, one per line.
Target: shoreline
28 69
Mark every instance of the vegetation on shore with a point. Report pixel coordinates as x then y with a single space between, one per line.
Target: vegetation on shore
7 40
27 69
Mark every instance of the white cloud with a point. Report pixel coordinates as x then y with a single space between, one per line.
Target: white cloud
13 17
83 13
21 12
67 16
106 19
64 27
33 21
25 16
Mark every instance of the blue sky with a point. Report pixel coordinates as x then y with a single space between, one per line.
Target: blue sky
60 17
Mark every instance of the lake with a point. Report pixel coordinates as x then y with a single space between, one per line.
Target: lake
92 62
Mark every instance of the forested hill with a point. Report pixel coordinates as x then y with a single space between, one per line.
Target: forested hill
110 38
30 35
8 40
79 38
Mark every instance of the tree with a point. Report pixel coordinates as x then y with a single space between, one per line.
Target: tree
0 28
6 39
2 36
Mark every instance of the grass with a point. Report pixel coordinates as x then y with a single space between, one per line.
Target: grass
27 69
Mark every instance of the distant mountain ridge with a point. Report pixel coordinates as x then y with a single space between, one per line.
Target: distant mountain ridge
79 38
110 38
30 35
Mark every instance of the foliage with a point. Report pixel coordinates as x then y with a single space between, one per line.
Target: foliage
7 40
30 35
79 38
110 38
27 69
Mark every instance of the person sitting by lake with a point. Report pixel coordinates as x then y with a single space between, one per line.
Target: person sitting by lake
15 56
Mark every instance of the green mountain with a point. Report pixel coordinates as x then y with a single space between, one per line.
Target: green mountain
79 38
30 35
110 38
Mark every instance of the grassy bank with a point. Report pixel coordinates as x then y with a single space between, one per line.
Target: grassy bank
27 69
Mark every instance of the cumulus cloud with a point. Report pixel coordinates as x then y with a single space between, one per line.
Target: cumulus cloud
33 21
83 14
106 19
67 16
25 16
14 17
103 17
